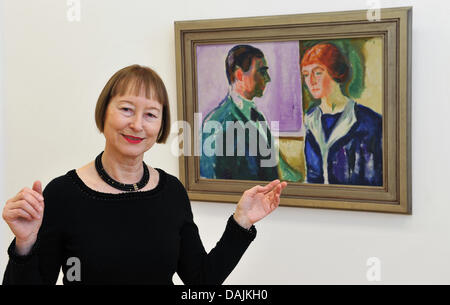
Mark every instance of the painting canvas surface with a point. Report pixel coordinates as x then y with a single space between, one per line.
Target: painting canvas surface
305 134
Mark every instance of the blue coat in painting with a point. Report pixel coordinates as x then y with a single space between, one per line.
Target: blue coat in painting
353 151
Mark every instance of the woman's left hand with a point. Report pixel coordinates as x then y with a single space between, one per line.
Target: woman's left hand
258 202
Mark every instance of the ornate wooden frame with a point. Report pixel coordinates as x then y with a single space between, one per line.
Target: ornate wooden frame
394 26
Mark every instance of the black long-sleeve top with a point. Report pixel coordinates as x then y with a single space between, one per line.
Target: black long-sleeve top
141 237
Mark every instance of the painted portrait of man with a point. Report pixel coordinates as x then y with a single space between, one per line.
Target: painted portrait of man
237 126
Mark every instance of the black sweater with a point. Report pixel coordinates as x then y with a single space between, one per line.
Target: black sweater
141 237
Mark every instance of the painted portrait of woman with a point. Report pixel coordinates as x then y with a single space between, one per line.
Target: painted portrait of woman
343 140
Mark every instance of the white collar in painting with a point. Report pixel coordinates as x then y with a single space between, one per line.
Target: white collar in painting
242 103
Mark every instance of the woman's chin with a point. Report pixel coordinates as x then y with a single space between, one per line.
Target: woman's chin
131 152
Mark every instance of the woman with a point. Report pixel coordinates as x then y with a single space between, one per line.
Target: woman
343 143
120 219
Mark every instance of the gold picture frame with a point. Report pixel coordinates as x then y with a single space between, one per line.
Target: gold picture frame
393 27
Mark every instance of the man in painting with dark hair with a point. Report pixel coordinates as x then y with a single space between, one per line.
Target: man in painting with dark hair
236 133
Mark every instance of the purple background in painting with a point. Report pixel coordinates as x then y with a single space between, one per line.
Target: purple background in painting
282 97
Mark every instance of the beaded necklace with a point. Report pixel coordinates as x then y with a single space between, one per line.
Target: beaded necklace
118 185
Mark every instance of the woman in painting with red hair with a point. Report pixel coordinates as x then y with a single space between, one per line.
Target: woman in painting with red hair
343 143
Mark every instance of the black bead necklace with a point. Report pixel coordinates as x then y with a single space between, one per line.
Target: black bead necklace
117 185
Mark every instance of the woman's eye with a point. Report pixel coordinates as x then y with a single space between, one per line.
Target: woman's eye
151 115
125 109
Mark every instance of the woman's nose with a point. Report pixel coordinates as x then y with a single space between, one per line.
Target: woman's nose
136 124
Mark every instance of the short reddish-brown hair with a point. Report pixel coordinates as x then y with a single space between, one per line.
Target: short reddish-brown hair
133 79
330 57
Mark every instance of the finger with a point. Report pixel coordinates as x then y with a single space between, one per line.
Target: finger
19 195
20 213
268 187
276 190
35 193
15 198
37 186
17 213
24 205
275 202
280 187
255 190
36 204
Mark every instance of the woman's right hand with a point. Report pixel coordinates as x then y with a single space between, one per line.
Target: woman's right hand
23 213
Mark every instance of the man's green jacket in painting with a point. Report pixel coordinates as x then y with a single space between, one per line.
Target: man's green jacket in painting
237 158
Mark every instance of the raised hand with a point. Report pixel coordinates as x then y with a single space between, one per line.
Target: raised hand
23 213
258 202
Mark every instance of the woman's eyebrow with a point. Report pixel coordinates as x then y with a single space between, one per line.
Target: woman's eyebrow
131 102
153 107
318 68
126 101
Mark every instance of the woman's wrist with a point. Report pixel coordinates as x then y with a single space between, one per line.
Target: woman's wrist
23 247
242 220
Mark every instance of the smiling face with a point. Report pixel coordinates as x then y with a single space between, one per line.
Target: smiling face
256 78
319 82
132 124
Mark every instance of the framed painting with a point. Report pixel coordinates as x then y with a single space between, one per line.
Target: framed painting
319 100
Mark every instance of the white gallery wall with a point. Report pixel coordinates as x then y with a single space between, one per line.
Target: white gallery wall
3 236
52 71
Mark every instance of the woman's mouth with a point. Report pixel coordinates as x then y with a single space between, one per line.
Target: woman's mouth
133 140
